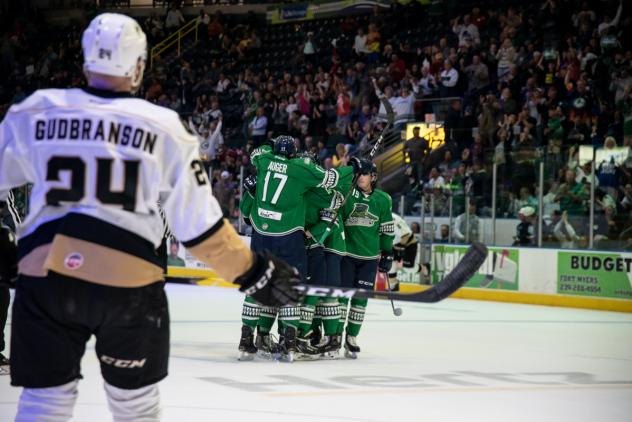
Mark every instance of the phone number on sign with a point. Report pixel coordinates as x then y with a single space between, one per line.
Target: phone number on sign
579 288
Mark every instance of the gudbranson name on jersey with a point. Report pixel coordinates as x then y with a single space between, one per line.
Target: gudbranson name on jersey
95 130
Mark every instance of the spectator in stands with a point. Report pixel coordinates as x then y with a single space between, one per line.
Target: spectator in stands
397 68
626 198
506 57
360 43
309 48
448 80
549 203
341 156
572 196
259 127
373 44
426 86
565 233
466 31
606 24
464 222
215 28
608 171
225 191
403 106
435 180
155 27
444 234
525 199
448 166
507 104
410 191
174 19
343 108
477 75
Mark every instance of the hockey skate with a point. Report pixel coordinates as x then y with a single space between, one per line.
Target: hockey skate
5 369
351 347
288 344
247 349
305 350
329 347
316 336
267 348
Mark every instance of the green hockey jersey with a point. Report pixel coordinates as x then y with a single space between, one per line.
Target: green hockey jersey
368 224
281 185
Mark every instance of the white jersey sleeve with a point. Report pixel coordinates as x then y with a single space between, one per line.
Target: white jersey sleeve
15 166
187 190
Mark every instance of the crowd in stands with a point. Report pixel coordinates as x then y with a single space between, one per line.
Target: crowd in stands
527 82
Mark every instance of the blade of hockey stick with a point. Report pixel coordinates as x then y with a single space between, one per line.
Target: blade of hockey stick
396 311
464 270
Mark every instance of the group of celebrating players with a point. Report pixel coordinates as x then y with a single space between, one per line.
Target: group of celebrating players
298 212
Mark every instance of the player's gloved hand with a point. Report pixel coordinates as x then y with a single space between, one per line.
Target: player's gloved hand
250 185
398 252
270 281
360 166
8 257
386 261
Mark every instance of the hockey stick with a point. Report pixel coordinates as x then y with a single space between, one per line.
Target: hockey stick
396 311
462 272
390 118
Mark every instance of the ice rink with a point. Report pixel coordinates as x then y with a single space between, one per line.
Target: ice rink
457 360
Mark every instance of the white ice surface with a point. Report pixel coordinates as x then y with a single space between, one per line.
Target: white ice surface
453 361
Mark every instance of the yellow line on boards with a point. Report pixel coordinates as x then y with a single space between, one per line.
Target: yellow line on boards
598 303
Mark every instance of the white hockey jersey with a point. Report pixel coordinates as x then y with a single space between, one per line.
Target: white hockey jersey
99 162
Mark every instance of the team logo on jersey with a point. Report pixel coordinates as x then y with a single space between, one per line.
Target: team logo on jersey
73 261
360 216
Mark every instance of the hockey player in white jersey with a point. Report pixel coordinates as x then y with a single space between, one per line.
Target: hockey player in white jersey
405 252
99 161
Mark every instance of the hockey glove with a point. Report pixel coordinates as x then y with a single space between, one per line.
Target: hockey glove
9 257
386 262
270 281
398 252
250 185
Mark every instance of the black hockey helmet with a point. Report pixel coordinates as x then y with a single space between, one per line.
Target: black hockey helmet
284 145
